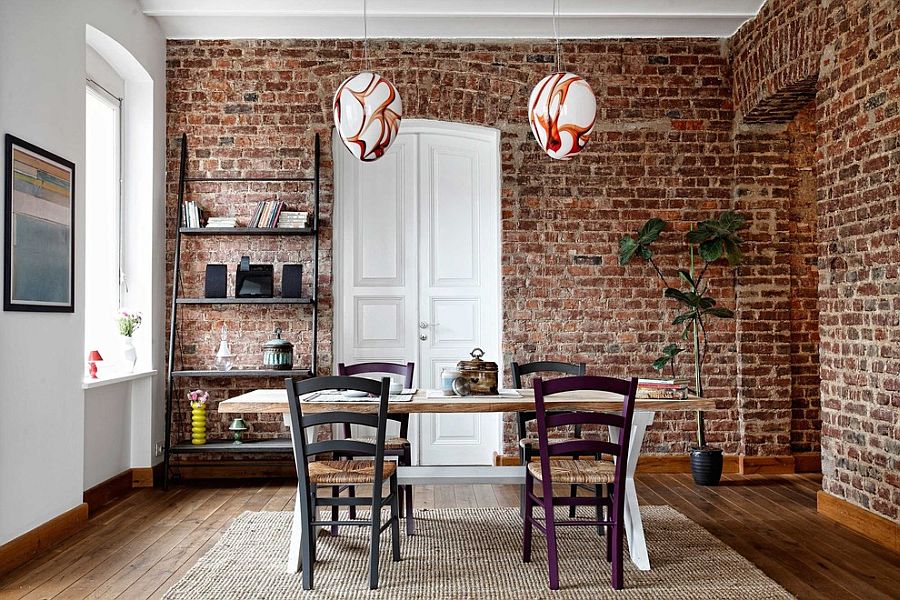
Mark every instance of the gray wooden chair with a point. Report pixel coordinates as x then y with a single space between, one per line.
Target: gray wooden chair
357 473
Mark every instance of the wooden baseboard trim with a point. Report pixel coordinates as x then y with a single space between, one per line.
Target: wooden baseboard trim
103 493
808 462
145 477
875 527
17 552
766 465
235 470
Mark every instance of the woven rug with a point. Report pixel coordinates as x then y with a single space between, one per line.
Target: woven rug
472 553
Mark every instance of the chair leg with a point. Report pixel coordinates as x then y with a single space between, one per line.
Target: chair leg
395 520
528 514
573 492
374 538
335 492
617 538
609 531
598 493
552 554
410 521
524 457
306 546
351 491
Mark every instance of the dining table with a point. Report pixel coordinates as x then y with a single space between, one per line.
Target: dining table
521 400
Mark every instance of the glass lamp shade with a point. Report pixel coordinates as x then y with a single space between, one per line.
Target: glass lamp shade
367 112
561 110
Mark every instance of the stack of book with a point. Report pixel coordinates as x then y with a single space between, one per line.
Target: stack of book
266 214
662 389
224 222
192 215
293 220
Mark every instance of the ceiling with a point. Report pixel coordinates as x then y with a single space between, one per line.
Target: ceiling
470 19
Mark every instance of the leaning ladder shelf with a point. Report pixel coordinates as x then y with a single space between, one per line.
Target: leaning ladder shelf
220 446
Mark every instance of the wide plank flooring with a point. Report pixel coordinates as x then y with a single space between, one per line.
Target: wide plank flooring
137 547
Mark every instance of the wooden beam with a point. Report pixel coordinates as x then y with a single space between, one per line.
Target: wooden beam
28 545
866 523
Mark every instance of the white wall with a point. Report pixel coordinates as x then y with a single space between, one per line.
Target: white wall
42 79
107 432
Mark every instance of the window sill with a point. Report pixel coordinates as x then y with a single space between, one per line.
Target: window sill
89 384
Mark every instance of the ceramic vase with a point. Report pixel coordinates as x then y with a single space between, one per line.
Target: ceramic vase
198 423
129 353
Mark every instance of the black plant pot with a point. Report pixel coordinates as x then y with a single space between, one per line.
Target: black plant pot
706 465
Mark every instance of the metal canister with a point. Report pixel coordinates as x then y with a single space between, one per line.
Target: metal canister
278 353
481 375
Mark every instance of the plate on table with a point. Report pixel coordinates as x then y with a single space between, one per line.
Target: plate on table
354 394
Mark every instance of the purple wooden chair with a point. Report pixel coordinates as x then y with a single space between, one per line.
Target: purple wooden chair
393 446
569 471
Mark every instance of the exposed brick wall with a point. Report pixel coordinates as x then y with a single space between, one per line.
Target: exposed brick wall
662 146
859 227
805 406
776 59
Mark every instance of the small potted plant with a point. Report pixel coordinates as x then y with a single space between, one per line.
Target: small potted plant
128 324
711 240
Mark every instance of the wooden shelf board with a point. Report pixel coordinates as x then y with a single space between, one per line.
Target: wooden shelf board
247 231
243 373
228 445
245 301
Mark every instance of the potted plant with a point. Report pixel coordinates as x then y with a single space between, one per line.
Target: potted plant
711 241
128 324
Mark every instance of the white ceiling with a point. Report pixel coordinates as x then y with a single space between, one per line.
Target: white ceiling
447 19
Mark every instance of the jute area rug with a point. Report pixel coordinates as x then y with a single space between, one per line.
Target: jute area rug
472 553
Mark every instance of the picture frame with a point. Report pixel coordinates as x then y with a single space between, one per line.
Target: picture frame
39 229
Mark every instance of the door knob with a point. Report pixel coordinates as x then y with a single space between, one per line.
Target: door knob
423 337
426 324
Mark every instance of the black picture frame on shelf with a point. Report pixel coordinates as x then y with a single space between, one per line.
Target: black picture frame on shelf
39 229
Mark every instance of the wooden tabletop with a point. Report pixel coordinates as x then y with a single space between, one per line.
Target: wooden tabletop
275 401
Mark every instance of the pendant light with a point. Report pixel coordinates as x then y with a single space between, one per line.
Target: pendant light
562 108
367 109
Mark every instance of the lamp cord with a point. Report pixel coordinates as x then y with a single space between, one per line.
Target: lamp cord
366 35
556 33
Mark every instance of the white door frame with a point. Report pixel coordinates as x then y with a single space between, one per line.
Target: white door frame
340 156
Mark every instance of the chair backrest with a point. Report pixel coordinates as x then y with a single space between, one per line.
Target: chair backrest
546 420
542 366
406 370
303 450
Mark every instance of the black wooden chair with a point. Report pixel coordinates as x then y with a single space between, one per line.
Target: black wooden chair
398 446
611 475
369 473
528 443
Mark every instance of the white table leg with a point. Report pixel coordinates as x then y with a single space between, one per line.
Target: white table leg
634 527
294 562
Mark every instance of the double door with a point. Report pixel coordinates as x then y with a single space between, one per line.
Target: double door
417 269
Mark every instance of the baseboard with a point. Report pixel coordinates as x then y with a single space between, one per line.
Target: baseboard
103 493
145 477
877 528
766 465
808 462
17 552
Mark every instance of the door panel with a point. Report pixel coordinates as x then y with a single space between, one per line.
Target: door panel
417 266
458 284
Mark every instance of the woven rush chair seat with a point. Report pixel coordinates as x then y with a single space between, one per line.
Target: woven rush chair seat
340 472
391 443
532 442
577 471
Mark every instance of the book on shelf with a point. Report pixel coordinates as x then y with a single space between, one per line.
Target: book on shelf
191 215
293 219
266 214
221 222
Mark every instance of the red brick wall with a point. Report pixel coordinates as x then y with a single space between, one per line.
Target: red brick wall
859 228
776 60
662 146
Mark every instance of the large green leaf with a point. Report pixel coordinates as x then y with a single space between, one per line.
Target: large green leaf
720 311
640 244
672 350
719 237
685 317
660 363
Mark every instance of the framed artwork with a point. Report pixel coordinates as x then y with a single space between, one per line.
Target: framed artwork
39 230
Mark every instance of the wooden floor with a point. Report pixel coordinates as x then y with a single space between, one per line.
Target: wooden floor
139 546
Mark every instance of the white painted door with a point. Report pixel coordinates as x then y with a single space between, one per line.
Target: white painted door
417 268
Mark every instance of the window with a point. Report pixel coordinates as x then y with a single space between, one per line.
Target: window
103 210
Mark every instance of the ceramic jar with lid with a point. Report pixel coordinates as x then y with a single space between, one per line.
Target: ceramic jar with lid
278 353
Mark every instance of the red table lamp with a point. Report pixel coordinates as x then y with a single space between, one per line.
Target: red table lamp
93 358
